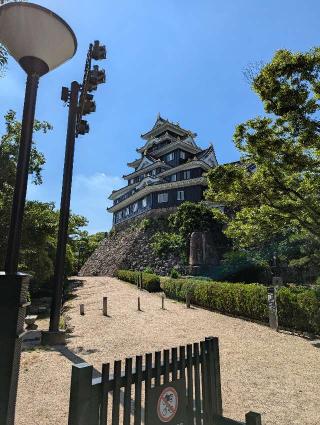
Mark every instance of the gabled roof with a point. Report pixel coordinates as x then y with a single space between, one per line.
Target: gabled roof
159 121
149 180
161 125
135 163
148 167
184 144
193 163
208 156
122 191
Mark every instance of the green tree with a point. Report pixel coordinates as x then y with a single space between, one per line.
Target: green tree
9 150
41 219
84 245
274 192
189 217
39 238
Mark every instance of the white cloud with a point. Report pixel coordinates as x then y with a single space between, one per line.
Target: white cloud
90 198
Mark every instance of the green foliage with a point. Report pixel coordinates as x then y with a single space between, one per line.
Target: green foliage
164 243
83 245
38 244
40 223
144 224
150 282
189 217
298 308
241 266
148 269
281 197
9 149
174 274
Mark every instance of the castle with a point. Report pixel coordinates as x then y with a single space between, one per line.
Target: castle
171 169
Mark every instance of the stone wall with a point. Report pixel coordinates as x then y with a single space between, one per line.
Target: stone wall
129 247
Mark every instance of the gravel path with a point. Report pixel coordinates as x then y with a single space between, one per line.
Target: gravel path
276 374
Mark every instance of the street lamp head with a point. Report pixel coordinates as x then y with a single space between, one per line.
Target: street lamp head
36 37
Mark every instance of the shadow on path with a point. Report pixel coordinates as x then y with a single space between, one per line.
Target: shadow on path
75 359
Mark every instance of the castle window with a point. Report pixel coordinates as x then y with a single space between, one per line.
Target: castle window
170 156
182 155
180 195
144 202
174 178
186 175
162 197
135 207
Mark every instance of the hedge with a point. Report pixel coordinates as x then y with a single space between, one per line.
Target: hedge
298 308
150 281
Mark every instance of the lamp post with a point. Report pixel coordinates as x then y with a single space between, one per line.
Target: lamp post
39 41
80 103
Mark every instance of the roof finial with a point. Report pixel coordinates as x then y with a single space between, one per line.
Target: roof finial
158 116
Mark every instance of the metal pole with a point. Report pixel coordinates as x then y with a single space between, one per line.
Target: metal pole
20 189
14 287
64 210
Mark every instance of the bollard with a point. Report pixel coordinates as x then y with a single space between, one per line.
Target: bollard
105 306
162 302
273 309
82 309
139 308
188 300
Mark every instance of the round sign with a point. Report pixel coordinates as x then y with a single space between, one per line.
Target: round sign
167 404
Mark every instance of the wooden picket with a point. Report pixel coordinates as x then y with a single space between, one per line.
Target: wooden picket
110 400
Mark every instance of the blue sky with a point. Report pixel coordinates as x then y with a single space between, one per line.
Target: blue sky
182 58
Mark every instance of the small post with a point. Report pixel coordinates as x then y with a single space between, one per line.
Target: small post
80 394
273 309
105 306
139 307
188 300
162 302
253 418
82 309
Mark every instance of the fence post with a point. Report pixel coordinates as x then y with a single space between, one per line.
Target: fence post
80 394
105 306
215 375
253 418
82 309
188 300
139 306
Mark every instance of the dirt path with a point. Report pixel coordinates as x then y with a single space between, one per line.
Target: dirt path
275 374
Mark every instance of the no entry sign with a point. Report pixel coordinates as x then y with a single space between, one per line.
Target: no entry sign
167 404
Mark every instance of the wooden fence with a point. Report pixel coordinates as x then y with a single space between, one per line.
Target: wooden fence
122 397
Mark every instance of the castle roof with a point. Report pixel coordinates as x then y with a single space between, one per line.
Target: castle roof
146 165
161 125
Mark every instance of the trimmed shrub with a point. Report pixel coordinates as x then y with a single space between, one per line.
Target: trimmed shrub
174 274
150 281
298 308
